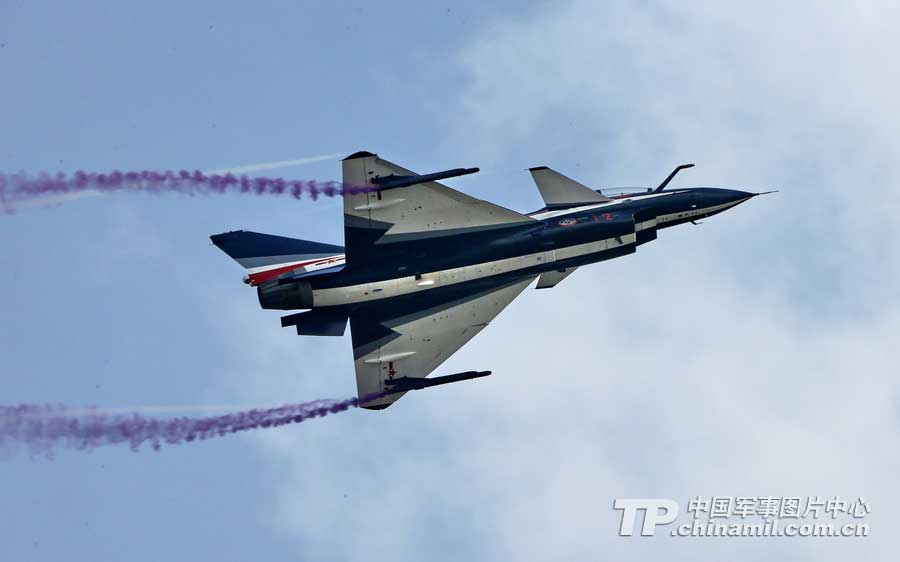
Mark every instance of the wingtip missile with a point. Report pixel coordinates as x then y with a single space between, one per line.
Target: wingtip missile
405 384
393 181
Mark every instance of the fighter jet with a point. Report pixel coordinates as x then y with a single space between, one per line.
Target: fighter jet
425 267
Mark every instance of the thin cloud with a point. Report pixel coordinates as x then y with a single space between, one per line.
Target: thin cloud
750 355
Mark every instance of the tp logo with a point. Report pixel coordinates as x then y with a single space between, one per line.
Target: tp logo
657 511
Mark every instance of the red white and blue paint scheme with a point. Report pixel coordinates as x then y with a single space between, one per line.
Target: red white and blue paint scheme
425 267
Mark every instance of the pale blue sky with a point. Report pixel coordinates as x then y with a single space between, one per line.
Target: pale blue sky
722 359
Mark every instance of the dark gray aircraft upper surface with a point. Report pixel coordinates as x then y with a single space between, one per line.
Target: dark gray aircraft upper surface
426 267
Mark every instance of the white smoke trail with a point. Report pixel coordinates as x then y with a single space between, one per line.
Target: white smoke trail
262 166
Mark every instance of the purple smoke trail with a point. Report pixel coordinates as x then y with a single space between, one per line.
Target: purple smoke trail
22 187
43 427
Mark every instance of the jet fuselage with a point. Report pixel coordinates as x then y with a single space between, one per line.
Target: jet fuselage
559 239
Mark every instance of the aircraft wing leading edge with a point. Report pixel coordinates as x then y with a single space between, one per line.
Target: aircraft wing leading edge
413 340
410 212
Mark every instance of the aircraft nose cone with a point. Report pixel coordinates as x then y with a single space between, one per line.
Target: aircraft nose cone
731 196
716 199
736 195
